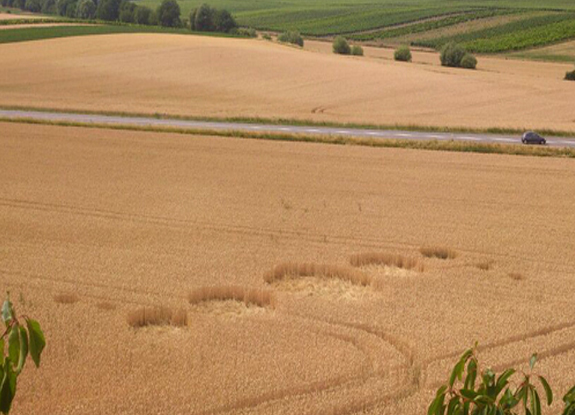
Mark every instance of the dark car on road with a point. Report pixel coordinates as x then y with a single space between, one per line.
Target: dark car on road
532 138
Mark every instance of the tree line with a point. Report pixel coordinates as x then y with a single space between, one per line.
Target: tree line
167 14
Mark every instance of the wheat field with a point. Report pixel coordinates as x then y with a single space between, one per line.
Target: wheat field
216 77
147 258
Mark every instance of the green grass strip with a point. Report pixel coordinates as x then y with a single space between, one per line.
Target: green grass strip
432 145
40 33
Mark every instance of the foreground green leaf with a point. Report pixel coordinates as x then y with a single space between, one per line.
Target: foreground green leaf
37 341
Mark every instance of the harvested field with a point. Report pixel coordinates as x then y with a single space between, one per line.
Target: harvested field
130 220
13 16
38 25
200 76
563 52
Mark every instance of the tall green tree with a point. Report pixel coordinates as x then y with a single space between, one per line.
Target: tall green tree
86 9
142 15
203 19
224 21
169 13
108 10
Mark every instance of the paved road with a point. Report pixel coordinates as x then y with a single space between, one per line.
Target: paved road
311 130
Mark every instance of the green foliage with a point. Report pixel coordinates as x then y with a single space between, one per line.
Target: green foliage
357 50
108 10
49 7
38 33
570 76
451 55
403 54
169 13
245 32
63 5
142 15
86 9
340 18
127 11
341 46
34 6
266 36
470 391
19 340
224 22
445 21
201 19
521 34
291 37
468 61
209 19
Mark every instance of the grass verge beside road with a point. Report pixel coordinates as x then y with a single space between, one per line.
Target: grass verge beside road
433 145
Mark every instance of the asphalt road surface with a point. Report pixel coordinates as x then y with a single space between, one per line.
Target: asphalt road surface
246 127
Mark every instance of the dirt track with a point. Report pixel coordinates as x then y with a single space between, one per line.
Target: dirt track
205 76
126 219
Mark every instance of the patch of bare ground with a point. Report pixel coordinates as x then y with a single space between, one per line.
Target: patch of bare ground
439 252
157 316
12 16
37 25
66 298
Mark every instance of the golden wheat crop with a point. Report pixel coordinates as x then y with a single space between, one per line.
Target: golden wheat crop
257 297
381 258
133 223
215 77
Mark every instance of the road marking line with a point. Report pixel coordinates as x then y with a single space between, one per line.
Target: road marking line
285 129
469 138
374 133
405 135
435 136
342 132
312 130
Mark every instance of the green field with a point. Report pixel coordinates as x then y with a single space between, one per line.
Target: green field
481 26
538 22
37 33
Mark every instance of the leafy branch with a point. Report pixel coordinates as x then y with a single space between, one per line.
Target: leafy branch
21 337
474 392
